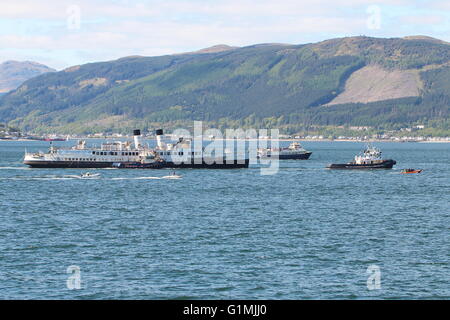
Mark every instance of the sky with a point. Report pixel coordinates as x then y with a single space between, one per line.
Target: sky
63 33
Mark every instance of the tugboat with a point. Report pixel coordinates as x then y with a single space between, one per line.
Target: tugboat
370 159
294 152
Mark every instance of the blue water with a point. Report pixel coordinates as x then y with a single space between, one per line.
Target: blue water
304 233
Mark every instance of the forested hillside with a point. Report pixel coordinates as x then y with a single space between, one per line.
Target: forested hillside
263 85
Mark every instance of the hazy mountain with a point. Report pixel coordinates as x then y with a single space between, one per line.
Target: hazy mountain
355 81
14 73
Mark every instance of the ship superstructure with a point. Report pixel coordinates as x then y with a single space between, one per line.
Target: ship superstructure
121 154
295 151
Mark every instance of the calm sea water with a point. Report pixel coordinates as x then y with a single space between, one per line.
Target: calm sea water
304 233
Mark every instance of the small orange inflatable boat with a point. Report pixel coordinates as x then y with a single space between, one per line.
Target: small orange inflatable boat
411 171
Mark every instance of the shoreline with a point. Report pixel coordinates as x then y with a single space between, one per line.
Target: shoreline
224 139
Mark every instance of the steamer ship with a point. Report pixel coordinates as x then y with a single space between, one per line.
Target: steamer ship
128 155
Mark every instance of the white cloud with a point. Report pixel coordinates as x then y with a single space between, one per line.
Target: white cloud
50 9
426 19
440 5
116 28
57 10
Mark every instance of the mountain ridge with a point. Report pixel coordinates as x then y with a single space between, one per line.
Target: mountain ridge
259 85
13 73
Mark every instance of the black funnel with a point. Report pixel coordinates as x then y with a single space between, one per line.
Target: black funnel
159 132
136 132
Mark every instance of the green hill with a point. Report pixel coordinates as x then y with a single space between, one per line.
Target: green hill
290 86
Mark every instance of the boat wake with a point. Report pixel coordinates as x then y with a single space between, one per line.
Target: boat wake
72 176
47 177
77 177
136 178
171 177
146 178
36 178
